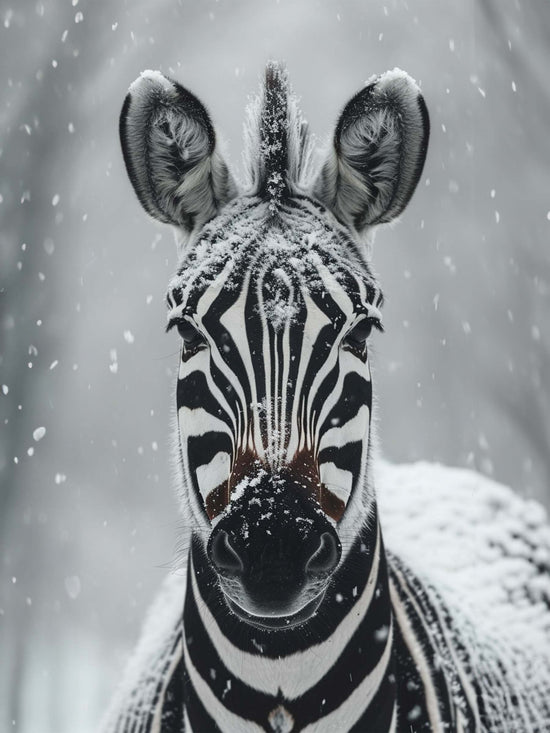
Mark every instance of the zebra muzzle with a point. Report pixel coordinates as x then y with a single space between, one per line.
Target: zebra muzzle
274 553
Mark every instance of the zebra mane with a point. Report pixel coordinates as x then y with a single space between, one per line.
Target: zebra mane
279 151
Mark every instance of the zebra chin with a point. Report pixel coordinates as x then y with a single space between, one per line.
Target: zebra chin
261 619
271 603
274 557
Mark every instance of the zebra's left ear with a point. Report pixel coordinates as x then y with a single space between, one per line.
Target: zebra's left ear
380 145
170 151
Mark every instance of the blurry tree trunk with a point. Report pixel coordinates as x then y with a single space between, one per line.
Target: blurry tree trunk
518 38
32 286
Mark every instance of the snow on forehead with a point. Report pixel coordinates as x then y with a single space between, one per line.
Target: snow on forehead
294 244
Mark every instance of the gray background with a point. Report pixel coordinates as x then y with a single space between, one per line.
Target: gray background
87 522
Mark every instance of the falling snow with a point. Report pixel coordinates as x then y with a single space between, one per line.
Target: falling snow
70 235
39 433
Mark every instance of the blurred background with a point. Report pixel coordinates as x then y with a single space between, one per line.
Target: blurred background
88 522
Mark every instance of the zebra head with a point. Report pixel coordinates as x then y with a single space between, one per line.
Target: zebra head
274 300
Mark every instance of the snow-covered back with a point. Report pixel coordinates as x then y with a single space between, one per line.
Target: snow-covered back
479 550
479 543
485 553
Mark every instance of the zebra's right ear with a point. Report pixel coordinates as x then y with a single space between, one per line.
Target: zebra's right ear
169 148
380 145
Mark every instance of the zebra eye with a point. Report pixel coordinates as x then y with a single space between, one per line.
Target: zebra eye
356 339
191 337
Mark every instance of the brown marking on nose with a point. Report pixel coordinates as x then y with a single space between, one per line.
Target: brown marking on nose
305 470
302 468
246 464
331 504
217 500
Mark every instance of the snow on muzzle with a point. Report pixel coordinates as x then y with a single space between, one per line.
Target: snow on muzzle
274 552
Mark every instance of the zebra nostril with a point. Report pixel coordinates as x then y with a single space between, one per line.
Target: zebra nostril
326 557
223 555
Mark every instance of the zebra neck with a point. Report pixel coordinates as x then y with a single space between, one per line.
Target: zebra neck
333 672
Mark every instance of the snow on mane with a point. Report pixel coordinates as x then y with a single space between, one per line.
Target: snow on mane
279 153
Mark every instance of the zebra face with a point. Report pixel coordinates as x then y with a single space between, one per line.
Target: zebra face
274 301
274 371
274 394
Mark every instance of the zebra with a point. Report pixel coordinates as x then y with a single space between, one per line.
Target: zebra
289 614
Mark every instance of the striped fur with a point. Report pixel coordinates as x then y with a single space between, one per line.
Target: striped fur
291 616
364 662
285 303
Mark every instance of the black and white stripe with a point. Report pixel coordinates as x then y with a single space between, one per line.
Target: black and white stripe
380 655
291 616
272 379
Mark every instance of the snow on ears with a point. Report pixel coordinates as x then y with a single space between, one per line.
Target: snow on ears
169 148
378 153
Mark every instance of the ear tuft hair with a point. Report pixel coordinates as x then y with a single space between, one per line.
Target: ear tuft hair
169 148
380 145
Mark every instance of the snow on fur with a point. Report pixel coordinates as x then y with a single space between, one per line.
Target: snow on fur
477 540
279 155
486 552
158 648
480 553
478 547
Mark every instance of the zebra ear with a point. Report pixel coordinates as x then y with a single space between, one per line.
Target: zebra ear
379 150
169 148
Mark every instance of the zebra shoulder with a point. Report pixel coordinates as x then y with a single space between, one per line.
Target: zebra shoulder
149 697
480 587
